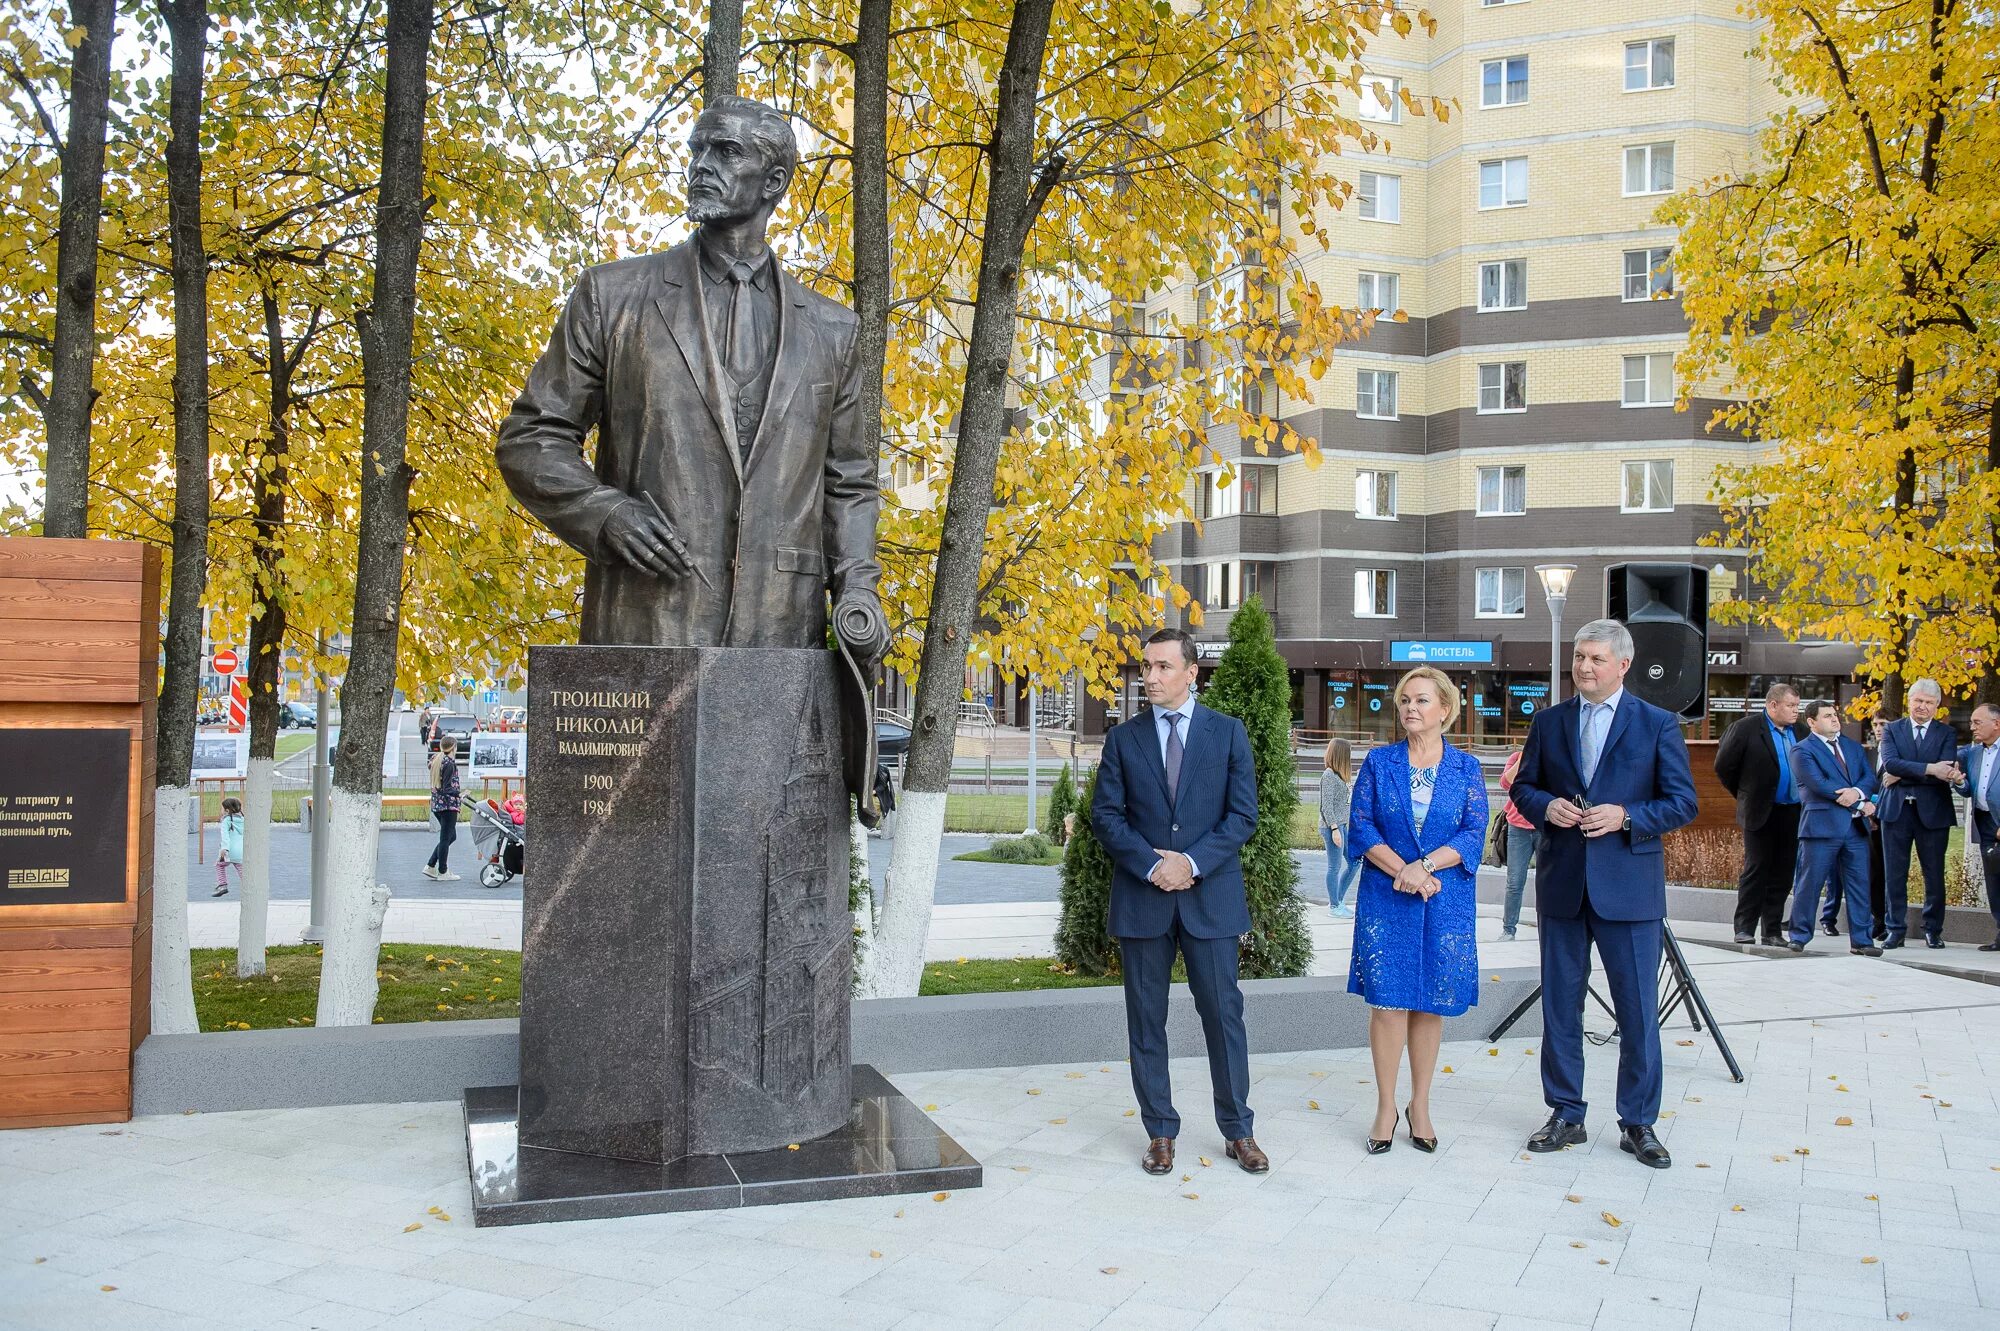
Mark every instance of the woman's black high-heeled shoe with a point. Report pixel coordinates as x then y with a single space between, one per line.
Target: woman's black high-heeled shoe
1424 1144
1377 1146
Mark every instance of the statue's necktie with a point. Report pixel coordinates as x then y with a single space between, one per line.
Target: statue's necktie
1173 755
739 349
1591 740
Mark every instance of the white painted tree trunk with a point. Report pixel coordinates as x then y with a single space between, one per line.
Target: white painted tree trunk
903 924
173 981
864 911
252 919
355 905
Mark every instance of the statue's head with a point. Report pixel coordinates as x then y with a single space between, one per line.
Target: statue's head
741 157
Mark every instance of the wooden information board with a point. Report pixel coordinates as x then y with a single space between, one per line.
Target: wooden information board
78 677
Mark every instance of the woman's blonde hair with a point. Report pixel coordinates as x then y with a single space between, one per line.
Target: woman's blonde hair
1447 691
1340 759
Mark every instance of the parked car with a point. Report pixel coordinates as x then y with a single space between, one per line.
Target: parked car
459 726
509 718
891 740
296 716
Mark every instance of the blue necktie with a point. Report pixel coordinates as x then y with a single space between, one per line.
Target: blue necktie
1591 741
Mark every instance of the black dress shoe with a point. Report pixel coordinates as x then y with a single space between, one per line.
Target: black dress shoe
1742 937
1866 951
1831 929
1642 1143
1933 940
1557 1134
1993 946
1773 940
1796 947
1891 944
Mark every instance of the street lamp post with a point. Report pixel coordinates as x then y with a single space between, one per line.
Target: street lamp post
1555 587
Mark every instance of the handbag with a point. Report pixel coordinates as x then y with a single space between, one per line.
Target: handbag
1496 842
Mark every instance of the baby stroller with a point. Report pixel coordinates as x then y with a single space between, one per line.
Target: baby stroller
500 844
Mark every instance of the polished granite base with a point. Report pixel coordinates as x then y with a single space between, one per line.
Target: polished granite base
888 1145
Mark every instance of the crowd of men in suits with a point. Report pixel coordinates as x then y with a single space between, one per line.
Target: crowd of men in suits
1829 822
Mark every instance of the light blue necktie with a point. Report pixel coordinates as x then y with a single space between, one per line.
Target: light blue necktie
1173 755
1591 741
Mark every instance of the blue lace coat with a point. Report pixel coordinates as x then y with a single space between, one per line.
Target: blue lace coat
1411 953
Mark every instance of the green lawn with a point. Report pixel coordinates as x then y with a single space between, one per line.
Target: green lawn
419 983
986 976
294 741
285 805
1009 814
987 857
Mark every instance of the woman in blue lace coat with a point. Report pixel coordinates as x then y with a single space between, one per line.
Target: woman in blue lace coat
1418 826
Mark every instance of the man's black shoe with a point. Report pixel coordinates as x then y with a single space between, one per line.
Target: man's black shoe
1831 929
1642 1143
1772 940
1556 1135
1796 947
1742 937
1933 940
1864 951
1891 944
1993 946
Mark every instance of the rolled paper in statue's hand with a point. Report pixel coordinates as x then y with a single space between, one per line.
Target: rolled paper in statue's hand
859 622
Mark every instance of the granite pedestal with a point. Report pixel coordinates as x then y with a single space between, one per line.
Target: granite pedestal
687 950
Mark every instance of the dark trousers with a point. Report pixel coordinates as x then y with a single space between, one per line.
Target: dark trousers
1930 843
1211 969
1842 863
1630 950
447 833
1770 861
1989 860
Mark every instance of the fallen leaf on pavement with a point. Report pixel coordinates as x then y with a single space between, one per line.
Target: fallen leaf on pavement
930 1109
413 1226
1843 1122
1034 1092
939 1196
1802 1150
1447 1067
1736 1208
107 1288
1130 1112
1059 1120
1205 1161
873 1252
1575 1244
1870 1261
1312 1104
1611 1219
1192 1196
1604 1261
1571 1197
1109 1270
1684 1042
1871 1197
1493 1053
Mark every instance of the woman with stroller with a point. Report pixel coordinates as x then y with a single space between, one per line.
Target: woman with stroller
445 796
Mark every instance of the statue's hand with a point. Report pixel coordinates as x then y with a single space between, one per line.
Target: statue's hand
640 534
858 619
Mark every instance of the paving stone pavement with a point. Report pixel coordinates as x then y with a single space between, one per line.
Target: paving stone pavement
1852 1179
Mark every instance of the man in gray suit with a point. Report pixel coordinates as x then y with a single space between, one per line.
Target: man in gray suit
734 484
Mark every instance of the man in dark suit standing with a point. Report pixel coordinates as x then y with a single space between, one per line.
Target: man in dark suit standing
1176 800
1604 776
1878 880
1921 753
1840 793
1980 761
1754 764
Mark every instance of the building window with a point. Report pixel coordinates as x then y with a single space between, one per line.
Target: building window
1503 285
1259 580
1375 394
1503 82
1375 593
1259 484
1503 491
1503 387
1381 197
1649 168
1260 392
1649 380
1379 100
1649 487
1219 585
1381 292
1649 273
1502 593
1649 64
1375 495
1504 184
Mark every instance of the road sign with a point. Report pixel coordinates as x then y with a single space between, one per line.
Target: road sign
224 662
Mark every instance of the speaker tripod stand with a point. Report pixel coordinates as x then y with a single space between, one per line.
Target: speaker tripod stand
1678 992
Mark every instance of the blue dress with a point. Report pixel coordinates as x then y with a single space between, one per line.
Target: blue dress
1410 953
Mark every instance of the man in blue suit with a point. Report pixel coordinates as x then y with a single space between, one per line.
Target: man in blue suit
1176 800
1920 752
1840 790
1980 761
1604 776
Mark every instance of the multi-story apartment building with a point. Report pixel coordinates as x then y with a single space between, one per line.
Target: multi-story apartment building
1524 412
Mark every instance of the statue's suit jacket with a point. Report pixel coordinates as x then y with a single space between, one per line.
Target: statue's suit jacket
771 534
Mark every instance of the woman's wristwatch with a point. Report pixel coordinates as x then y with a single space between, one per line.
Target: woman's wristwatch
1426 865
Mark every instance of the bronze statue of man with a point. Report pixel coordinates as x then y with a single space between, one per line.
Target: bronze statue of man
734 485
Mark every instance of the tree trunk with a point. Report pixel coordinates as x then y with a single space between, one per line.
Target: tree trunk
267 644
173 985
1015 194
66 416
721 49
354 902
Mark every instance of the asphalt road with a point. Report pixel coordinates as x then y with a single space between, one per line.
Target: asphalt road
401 853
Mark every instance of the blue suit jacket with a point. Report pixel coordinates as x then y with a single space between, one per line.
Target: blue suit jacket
1916 788
1457 815
1984 825
1214 814
1644 767
1820 779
